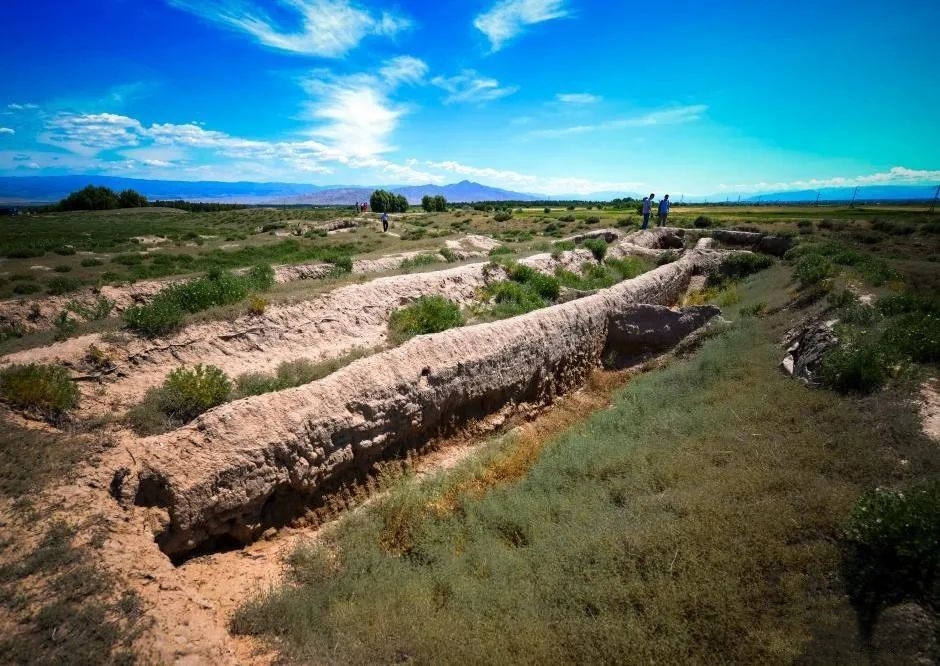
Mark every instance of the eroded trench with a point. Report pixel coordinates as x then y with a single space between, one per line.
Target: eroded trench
261 462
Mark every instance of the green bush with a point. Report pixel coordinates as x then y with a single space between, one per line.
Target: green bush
63 326
448 254
159 317
593 219
907 303
860 367
62 285
545 286
891 550
24 288
628 267
915 335
842 298
812 269
702 222
597 246
567 218
501 250
428 314
502 215
46 390
513 298
62 268
188 393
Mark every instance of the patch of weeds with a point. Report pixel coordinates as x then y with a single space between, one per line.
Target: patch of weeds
501 250
62 268
562 246
419 260
63 326
860 366
294 373
597 246
25 288
510 299
448 254
916 335
545 286
45 390
89 262
414 234
842 298
184 395
741 264
702 222
502 216
892 227
629 267
100 309
891 550
428 314
62 285
257 305
755 310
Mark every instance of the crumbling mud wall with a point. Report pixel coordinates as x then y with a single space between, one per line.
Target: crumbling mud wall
230 472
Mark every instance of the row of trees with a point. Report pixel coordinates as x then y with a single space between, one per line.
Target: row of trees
383 201
435 204
102 198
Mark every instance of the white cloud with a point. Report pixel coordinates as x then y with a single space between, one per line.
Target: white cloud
577 98
325 28
91 133
468 86
22 107
404 69
671 116
509 17
7 130
894 176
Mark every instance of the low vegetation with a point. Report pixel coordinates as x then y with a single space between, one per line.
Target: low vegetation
696 529
41 390
428 314
166 311
185 394
294 373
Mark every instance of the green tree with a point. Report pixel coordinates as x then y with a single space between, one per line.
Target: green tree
434 204
131 199
90 198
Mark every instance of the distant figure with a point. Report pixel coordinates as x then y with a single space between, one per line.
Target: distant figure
663 210
357 206
384 222
647 206
363 207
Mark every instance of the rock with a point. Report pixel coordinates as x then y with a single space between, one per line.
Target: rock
806 347
244 466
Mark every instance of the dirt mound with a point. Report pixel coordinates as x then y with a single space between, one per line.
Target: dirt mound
245 465
325 327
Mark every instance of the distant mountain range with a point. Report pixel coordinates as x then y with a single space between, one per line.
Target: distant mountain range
20 190
866 193
24 190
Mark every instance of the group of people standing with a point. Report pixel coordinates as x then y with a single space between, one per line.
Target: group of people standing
648 208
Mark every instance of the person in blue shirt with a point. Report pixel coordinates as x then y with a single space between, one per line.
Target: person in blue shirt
663 210
647 207
384 221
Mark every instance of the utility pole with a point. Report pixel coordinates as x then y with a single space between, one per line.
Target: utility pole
817 199
933 204
852 204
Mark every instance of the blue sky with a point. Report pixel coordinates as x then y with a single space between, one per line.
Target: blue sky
545 96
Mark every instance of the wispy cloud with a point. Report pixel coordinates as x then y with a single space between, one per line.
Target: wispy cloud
895 176
468 86
92 133
404 69
577 98
325 28
7 130
671 116
509 17
22 107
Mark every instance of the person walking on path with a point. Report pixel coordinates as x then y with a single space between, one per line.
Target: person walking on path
647 207
663 210
384 222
